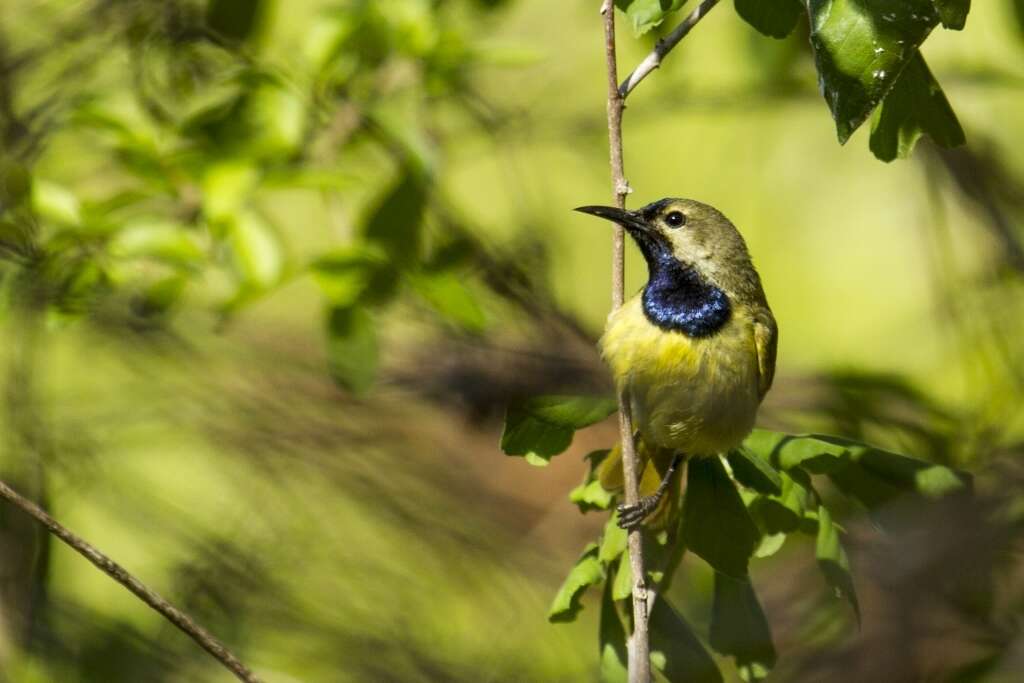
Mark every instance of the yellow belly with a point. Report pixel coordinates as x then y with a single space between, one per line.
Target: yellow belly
699 396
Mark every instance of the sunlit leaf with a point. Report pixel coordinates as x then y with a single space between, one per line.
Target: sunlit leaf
585 573
622 587
860 49
56 203
914 107
675 651
775 18
590 495
613 540
226 188
352 347
833 561
544 426
344 275
255 250
646 14
161 240
739 628
716 524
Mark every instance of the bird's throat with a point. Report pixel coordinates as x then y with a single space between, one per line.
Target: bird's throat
678 299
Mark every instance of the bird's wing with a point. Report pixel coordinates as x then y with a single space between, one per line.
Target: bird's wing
766 338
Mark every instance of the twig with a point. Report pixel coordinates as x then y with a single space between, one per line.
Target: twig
653 60
121 575
639 642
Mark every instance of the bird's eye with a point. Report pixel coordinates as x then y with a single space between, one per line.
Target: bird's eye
676 219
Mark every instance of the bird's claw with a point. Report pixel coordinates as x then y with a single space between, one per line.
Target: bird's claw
632 516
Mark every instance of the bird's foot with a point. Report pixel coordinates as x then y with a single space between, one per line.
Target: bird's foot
632 516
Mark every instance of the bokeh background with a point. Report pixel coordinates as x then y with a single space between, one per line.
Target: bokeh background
272 270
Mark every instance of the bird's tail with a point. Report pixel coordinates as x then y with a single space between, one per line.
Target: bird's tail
654 461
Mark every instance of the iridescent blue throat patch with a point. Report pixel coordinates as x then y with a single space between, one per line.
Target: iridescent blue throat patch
677 298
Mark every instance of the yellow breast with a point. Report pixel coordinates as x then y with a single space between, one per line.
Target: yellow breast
699 396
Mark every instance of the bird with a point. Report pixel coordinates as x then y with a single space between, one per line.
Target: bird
693 351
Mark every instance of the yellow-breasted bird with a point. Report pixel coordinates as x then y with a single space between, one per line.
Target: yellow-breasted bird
695 350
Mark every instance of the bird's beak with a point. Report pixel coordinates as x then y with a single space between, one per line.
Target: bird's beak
631 220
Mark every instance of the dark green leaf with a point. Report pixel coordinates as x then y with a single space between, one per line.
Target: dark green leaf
774 18
785 512
1018 14
646 14
612 640
396 221
953 13
740 629
833 561
860 49
352 347
675 650
754 472
235 20
914 107
716 524
585 573
543 426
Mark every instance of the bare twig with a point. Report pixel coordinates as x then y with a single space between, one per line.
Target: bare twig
121 575
639 642
653 60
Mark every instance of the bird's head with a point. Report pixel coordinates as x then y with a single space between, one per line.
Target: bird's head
688 233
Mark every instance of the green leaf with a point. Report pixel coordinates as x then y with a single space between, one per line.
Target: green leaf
646 14
740 629
255 250
161 240
612 641
754 472
226 188
56 203
1018 14
716 524
784 512
15 184
585 573
953 13
352 347
345 275
870 474
446 292
235 20
773 18
543 426
622 587
613 540
590 495
914 107
832 559
675 650
395 223
860 49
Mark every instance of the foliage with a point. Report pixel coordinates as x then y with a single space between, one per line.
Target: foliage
735 509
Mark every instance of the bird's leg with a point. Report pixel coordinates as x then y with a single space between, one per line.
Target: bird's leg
631 516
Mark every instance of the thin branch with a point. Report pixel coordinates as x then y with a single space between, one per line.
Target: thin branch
653 60
121 575
639 642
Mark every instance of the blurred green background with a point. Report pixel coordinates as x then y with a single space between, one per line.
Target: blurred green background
272 270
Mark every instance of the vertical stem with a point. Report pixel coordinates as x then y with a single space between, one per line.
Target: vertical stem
639 641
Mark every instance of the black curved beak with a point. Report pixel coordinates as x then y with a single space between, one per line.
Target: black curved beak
631 220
